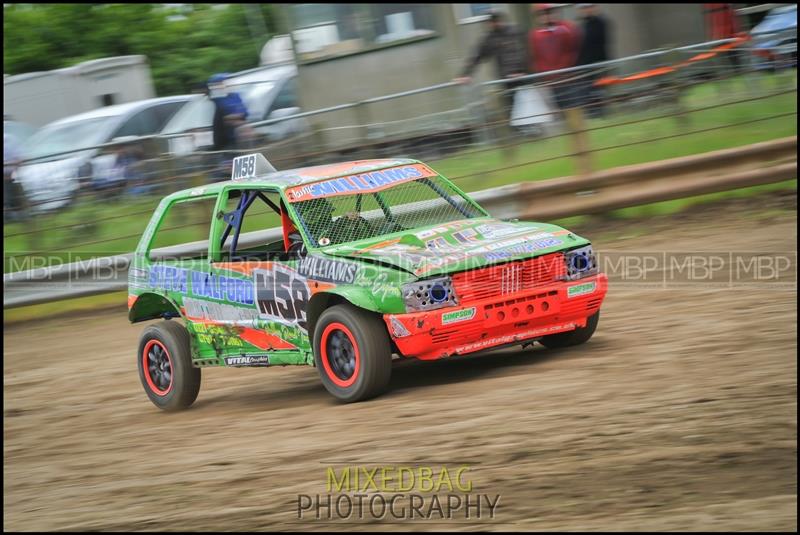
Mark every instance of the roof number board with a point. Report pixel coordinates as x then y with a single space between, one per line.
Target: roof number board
244 167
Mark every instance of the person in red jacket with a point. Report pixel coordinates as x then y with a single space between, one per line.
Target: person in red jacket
722 24
554 45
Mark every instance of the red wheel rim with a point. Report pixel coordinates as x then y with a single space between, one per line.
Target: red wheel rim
157 367
337 358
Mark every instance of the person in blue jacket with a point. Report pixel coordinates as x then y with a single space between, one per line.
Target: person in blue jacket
230 112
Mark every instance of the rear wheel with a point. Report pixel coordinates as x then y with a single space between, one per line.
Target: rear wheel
352 353
165 366
572 338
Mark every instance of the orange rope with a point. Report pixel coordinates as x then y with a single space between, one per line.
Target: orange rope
613 80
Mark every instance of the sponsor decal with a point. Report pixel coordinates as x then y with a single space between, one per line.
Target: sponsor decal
465 236
526 247
439 244
137 273
360 183
248 360
216 335
283 294
426 233
168 278
581 289
542 331
458 316
399 330
222 288
206 310
325 270
498 230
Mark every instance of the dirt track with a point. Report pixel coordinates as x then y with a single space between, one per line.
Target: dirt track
681 413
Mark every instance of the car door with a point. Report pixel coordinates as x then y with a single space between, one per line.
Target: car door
265 298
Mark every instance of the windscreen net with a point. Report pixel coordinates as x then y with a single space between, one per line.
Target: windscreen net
409 205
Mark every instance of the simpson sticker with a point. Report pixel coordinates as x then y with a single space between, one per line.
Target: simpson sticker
248 360
360 183
325 270
458 315
581 289
282 293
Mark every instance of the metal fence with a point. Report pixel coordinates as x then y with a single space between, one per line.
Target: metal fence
760 163
576 121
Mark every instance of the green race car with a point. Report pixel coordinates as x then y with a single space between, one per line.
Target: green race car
375 258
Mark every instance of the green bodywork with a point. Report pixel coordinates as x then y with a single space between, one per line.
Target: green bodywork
240 311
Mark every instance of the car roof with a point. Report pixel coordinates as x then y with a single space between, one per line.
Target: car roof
262 74
121 109
295 177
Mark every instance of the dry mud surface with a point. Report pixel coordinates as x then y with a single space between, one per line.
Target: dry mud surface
680 413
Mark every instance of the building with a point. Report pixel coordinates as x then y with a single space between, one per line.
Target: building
353 52
38 98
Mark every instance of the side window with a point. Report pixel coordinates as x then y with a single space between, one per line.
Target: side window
184 222
135 125
163 113
258 216
287 96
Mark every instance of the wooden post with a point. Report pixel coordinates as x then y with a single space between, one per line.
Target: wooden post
580 140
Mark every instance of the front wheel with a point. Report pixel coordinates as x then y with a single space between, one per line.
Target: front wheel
165 366
352 353
572 338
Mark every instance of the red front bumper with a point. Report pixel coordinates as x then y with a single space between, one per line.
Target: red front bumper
497 320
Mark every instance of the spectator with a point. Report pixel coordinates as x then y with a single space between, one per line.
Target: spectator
120 171
229 112
593 49
505 44
13 194
722 24
553 45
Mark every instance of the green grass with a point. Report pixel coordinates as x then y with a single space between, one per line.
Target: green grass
471 170
475 170
68 306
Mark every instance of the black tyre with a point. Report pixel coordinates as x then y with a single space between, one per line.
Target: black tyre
352 353
572 338
165 366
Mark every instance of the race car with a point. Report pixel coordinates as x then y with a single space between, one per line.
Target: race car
375 260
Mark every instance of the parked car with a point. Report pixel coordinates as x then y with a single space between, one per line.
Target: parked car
17 130
775 37
267 92
375 257
61 156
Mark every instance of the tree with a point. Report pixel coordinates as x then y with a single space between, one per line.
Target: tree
184 45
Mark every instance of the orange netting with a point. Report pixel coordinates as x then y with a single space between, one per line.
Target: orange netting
614 80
